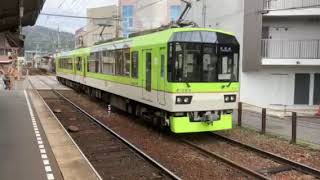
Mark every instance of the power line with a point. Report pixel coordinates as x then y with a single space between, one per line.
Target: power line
79 17
63 1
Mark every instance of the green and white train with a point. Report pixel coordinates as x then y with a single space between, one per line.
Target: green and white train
184 78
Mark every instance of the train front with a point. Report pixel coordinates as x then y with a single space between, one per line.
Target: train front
203 78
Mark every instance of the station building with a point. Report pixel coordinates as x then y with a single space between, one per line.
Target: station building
280 47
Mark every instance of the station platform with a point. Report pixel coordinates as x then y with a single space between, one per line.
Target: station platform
33 144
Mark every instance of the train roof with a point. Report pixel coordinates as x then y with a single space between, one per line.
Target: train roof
156 38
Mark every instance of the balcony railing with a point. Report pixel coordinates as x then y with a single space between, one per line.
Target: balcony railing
290 49
287 4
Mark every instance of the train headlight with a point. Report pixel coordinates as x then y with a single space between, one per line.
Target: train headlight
179 100
186 100
230 98
183 99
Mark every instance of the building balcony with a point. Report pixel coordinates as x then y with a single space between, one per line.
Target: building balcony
290 52
292 7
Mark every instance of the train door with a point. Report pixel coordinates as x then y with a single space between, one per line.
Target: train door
74 68
78 65
147 75
84 68
78 69
161 77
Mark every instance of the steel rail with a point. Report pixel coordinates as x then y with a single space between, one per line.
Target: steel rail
123 140
295 165
227 161
75 144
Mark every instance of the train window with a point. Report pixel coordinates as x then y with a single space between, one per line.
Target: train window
170 62
108 60
135 64
79 63
126 62
162 66
225 66
122 62
66 63
119 63
235 66
93 63
70 64
148 71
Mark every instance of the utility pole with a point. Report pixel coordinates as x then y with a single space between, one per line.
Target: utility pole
21 13
204 13
58 38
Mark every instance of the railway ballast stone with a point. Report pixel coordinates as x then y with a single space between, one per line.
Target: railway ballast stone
73 128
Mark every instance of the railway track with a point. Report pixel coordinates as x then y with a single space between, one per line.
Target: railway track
287 162
283 164
112 156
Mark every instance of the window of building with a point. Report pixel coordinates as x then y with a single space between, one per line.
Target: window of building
135 64
175 12
127 17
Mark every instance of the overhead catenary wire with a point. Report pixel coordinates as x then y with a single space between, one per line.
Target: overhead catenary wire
63 1
78 17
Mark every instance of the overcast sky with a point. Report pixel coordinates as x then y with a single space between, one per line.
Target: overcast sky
68 7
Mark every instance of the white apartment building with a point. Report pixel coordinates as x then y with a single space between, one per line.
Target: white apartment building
280 47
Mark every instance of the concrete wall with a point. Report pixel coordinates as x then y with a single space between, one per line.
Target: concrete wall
154 13
252 35
93 30
274 85
149 14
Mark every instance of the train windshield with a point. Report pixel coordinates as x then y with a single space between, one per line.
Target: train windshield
203 62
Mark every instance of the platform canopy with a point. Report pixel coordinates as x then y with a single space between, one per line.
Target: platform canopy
9 13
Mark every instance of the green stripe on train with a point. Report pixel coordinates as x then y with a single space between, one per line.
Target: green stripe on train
184 125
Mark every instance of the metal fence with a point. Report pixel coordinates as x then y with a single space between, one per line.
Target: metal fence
290 49
285 4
